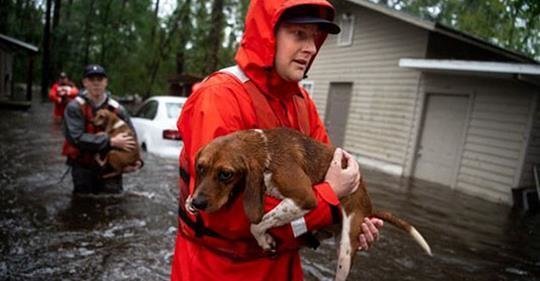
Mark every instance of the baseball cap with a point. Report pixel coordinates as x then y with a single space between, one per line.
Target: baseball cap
94 70
312 14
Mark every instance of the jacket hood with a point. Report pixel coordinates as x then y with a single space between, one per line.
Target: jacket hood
255 56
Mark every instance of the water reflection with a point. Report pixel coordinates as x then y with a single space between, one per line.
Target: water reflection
471 239
46 233
89 212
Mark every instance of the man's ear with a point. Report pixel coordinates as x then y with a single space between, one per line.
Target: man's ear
253 191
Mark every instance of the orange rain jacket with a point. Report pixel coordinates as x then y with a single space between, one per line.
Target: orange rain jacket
221 105
60 101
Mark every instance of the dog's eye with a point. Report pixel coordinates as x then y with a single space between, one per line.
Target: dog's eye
200 169
224 175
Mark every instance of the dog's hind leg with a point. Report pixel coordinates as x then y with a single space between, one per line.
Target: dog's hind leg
348 244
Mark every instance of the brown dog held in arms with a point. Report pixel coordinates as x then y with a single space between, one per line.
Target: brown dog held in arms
112 125
282 163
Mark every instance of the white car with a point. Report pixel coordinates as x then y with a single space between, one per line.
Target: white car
155 124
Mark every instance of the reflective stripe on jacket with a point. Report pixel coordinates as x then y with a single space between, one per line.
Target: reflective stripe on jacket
81 105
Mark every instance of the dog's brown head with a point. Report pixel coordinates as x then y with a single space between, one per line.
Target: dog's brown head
224 167
104 119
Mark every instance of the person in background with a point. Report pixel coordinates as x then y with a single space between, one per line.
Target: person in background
61 92
280 42
82 140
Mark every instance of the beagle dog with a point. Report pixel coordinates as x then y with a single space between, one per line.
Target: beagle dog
112 125
282 163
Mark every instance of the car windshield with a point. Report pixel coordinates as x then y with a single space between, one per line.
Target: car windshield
173 109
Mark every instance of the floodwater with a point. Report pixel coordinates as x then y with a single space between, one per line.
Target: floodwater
47 234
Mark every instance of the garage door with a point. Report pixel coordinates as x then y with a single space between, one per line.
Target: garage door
441 137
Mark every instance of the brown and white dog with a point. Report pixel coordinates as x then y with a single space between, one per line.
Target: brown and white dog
282 163
112 125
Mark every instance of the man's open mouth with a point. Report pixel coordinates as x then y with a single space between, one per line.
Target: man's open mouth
300 61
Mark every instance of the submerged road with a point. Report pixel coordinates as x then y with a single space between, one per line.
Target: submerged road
48 234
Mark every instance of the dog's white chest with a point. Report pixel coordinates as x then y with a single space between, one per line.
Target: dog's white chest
271 189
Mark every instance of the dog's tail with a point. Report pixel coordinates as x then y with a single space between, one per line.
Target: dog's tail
389 217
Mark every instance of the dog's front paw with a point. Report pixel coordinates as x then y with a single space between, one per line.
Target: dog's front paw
265 240
268 243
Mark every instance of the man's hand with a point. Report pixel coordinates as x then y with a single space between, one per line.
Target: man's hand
123 141
64 90
370 233
343 181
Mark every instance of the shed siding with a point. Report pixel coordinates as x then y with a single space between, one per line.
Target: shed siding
384 96
6 72
495 137
532 155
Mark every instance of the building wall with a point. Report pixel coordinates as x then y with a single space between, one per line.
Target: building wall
532 155
496 135
385 113
444 47
6 72
384 96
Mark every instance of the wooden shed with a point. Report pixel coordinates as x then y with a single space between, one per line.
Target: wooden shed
418 99
182 84
10 49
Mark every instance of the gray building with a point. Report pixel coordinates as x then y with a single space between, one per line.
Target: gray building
12 49
418 99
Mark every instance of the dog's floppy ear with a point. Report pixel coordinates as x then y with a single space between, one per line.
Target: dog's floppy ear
111 119
254 191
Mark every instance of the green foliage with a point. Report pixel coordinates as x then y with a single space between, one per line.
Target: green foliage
141 51
111 33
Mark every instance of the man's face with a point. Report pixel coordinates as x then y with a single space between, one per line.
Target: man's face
95 84
295 48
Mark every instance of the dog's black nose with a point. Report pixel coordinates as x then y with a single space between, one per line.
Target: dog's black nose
199 202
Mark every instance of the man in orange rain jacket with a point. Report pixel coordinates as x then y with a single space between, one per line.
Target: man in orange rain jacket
280 41
61 92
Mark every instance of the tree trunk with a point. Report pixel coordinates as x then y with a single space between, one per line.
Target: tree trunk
180 58
56 13
68 11
156 22
4 12
46 52
184 36
56 61
215 36
87 32
105 22
165 43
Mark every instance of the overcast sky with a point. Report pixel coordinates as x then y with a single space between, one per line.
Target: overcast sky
166 7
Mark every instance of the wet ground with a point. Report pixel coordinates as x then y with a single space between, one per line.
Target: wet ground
47 234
